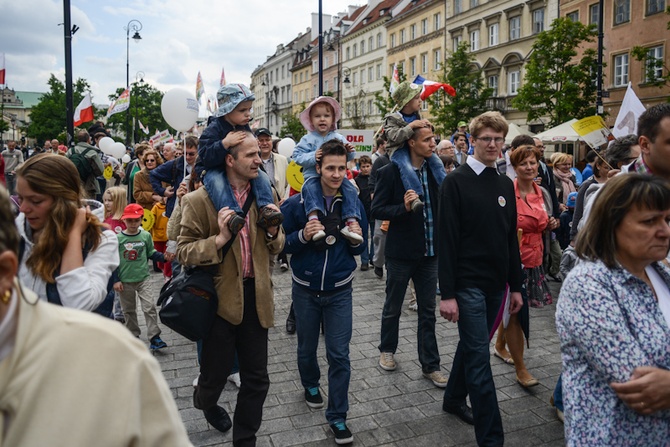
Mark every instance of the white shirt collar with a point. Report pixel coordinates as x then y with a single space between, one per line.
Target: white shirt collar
476 165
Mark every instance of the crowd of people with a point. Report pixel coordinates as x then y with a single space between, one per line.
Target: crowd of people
474 229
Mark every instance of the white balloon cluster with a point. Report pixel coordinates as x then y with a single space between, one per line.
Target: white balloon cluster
112 148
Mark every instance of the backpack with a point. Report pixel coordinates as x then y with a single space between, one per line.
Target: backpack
82 163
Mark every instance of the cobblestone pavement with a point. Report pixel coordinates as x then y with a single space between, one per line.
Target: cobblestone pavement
398 408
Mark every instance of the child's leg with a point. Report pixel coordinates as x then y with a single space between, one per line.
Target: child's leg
437 168
312 196
350 209
129 306
144 292
409 179
220 191
262 189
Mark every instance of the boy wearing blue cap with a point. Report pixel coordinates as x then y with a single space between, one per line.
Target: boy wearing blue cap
228 129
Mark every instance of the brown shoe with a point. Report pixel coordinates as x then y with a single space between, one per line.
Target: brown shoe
236 223
269 218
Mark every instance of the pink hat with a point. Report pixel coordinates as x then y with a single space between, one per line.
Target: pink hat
304 115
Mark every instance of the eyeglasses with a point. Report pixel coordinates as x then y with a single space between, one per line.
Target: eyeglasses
150 161
487 140
541 146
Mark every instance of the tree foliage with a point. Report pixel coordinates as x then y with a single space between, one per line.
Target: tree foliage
48 119
383 99
652 65
292 127
145 106
558 83
471 93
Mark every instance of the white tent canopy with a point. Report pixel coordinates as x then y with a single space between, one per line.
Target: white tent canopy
515 130
563 133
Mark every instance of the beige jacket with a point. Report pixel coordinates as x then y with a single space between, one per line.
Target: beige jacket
197 246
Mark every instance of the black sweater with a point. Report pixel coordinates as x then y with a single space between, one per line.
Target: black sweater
476 243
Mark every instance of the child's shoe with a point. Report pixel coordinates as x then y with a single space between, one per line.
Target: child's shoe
351 236
417 206
319 235
269 218
236 223
157 343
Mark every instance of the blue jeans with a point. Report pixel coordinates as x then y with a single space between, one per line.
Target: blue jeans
424 274
408 176
367 254
221 192
335 309
471 370
558 393
313 197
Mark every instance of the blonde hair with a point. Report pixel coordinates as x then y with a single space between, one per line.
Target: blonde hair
119 202
56 177
561 157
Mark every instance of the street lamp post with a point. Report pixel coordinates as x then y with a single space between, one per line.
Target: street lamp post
139 79
136 26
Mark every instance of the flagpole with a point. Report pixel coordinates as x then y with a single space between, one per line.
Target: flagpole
69 94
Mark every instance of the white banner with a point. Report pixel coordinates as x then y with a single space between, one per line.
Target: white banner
161 137
361 139
630 111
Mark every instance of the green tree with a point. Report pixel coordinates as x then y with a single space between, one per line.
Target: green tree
48 119
145 106
292 127
471 94
383 99
653 65
558 83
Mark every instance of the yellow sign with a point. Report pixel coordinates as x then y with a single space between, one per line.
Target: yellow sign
148 220
294 176
108 172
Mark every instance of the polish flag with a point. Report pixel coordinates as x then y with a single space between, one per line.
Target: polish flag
395 79
84 111
430 87
223 78
2 68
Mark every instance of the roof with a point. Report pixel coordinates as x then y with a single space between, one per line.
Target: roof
28 99
413 5
374 15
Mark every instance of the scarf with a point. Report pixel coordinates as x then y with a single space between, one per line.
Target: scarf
567 185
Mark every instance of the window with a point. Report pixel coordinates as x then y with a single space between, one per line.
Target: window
437 59
325 86
295 97
326 60
654 64
362 76
474 40
424 63
402 36
457 41
493 84
393 40
594 14
515 28
347 54
424 105
474 3
513 81
621 11
355 50
412 32
437 21
621 70
458 6
371 74
654 6
538 20
301 78
379 71
574 16
370 43
493 34
379 40
354 81
282 72
362 47
370 107
336 83
424 27
412 66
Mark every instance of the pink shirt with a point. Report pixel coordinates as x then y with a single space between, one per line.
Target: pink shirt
245 245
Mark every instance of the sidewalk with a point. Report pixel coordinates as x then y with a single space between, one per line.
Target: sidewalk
398 408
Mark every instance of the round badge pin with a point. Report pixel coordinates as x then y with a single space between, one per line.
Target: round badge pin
501 201
330 240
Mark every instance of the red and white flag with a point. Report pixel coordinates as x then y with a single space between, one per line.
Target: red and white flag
143 127
2 68
395 79
223 78
430 87
84 111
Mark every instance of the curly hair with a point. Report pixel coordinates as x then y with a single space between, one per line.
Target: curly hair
56 177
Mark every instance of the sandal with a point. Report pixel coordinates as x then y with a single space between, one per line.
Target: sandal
509 360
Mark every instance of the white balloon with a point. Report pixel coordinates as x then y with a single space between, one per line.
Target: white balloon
117 150
180 109
105 143
126 158
285 147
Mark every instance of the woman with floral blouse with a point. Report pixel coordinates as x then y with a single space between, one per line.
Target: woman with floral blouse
613 319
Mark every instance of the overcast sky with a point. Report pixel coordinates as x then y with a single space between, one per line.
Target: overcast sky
179 38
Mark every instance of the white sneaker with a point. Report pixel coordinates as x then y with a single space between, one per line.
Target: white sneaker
283 266
413 306
319 235
235 378
195 381
353 237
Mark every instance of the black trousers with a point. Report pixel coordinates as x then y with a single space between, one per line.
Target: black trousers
216 362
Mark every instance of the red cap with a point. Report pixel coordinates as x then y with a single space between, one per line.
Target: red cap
133 211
